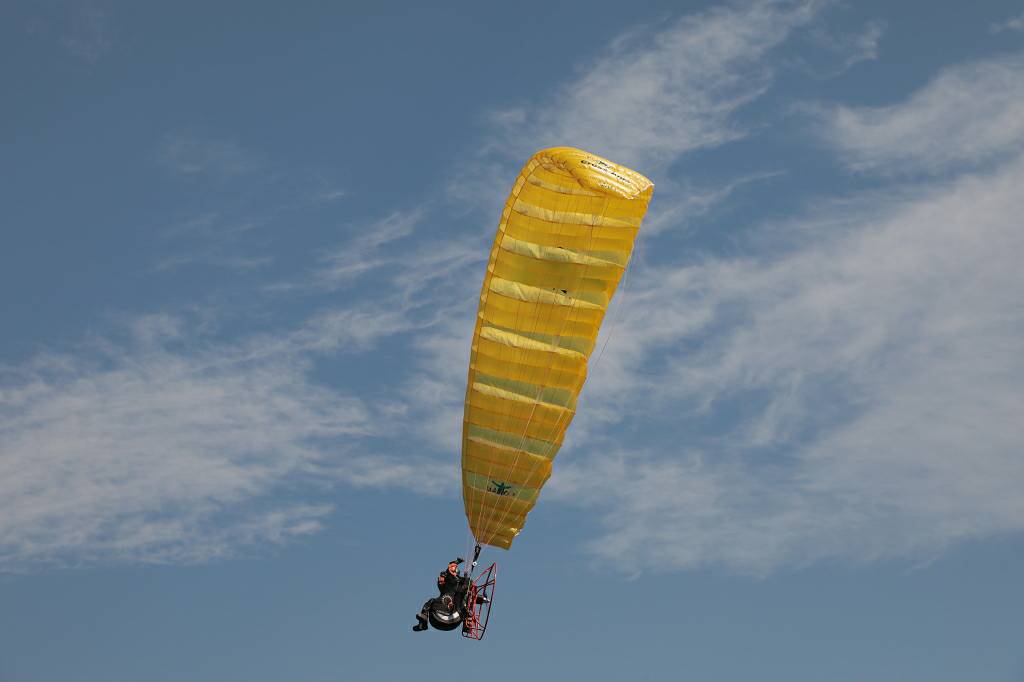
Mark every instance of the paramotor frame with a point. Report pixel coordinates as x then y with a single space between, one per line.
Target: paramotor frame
479 600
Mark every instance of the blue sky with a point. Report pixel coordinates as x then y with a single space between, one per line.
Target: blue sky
241 250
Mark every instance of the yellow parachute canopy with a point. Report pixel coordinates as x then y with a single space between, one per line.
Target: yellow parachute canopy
563 243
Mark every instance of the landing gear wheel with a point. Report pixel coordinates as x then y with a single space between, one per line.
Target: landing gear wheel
444 615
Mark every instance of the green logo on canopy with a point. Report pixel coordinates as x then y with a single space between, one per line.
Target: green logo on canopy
502 488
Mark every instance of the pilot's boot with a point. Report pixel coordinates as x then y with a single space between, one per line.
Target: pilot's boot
421 623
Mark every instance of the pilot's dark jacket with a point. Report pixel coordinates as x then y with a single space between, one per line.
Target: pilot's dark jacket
450 584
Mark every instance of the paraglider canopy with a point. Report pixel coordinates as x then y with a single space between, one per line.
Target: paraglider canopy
563 243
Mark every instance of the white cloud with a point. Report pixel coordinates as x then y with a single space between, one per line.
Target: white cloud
679 203
144 453
854 396
969 114
236 233
659 94
1013 24
328 196
215 240
654 95
851 48
435 394
189 155
405 270
344 329
864 46
344 264
170 447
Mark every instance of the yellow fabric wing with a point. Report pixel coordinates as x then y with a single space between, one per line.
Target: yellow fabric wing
563 243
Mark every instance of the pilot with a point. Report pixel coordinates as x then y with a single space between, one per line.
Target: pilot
447 586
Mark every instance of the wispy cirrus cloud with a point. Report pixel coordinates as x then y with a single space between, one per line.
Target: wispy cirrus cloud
214 240
1012 24
655 95
234 216
686 203
193 156
175 446
855 398
160 447
416 281
850 393
849 48
969 114
424 285
342 265
659 93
